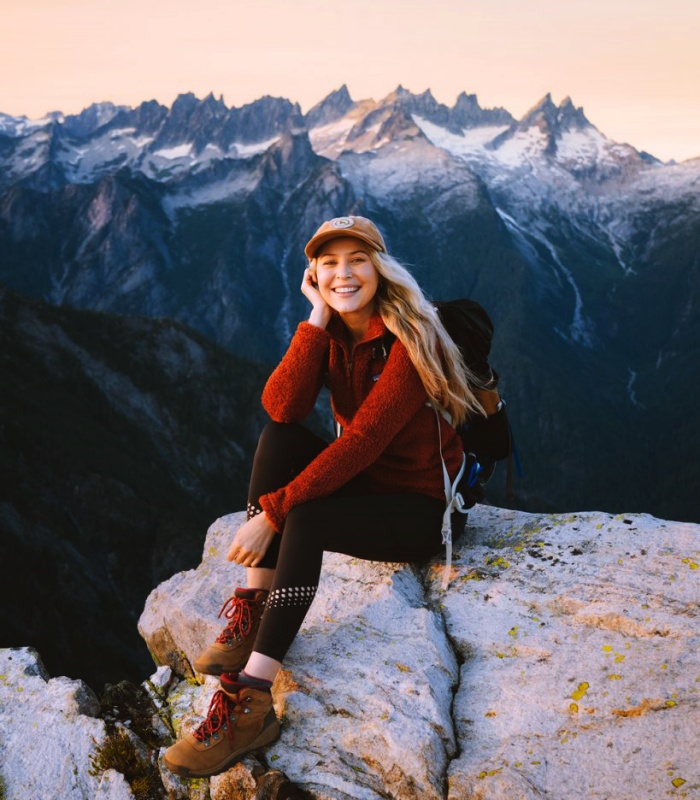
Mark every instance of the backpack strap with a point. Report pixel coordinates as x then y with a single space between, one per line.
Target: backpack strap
453 502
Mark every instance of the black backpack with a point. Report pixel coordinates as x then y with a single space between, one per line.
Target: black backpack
486 440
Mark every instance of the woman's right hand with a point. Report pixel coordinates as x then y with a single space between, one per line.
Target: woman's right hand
321 311
251 541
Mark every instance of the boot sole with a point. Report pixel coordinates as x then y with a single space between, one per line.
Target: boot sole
217 668
213 669
267 735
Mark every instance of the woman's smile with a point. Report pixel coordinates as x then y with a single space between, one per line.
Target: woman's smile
345 289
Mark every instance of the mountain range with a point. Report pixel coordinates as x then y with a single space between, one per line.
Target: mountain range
585 252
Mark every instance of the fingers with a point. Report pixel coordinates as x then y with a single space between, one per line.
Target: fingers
309 287
251 541
244 558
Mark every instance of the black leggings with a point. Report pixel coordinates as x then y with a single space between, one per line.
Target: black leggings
377 527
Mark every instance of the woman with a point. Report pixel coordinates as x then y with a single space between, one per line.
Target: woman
377 492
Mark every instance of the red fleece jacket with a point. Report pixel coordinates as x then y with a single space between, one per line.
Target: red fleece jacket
389 431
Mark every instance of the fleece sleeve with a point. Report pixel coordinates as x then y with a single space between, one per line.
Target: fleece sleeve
394 400
291 391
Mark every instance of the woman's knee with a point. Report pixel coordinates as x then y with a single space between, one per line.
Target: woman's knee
275 431
288 437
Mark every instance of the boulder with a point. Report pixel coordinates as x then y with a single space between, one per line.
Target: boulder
366 693
580 640
49 735
562 661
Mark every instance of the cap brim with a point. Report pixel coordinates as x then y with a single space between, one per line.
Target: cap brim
315 243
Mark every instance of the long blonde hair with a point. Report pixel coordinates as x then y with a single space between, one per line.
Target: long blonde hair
410 316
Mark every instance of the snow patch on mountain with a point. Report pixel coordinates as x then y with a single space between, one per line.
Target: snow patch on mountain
182 159
240 150
329 140
667 182
173 153
588 146
32 153
236 184
86 158
86 162
390 173
523 147
13 126
469 144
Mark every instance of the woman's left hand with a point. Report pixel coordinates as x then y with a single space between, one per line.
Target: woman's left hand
251 541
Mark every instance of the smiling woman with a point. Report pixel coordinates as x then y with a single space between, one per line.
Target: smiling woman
377 492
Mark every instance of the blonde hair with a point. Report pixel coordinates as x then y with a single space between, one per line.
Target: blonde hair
414 320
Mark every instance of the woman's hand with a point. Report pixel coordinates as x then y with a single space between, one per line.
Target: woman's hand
321 311
251 541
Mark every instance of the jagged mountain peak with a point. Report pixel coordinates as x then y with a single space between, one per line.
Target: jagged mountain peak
12 126
543 128
293 148
543 104
390 122
398 93
211 100
185 100
467 113
336 105
405 104
551 118
92 118
266 118
404 97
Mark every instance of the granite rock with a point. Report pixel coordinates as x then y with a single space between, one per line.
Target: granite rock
562 661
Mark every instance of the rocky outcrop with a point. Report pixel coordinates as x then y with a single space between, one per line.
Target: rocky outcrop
49 729
563 661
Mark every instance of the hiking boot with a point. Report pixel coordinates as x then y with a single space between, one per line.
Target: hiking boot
233 646
235 725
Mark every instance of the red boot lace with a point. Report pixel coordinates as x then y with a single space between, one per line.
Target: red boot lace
237 611
218 718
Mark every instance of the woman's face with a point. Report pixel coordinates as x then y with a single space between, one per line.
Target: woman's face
347 279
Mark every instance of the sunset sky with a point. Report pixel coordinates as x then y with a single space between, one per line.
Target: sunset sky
634 66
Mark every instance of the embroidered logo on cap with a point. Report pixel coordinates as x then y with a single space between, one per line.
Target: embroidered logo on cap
342 222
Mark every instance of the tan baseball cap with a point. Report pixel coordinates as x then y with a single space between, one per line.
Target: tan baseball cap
357 227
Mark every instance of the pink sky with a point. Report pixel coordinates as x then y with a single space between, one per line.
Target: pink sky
633 66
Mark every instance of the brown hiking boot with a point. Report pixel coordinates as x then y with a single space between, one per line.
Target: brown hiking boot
235 725
233 646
